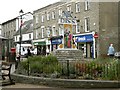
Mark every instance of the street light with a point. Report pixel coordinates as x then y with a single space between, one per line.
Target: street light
21 21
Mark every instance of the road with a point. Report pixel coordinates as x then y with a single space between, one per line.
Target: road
20 86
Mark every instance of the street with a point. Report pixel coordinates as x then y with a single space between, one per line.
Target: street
18 86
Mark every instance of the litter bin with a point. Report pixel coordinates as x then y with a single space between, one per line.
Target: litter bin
12 55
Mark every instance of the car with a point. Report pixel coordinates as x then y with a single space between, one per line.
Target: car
117 54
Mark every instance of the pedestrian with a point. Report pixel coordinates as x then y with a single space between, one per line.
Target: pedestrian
28 52
47 51
111 50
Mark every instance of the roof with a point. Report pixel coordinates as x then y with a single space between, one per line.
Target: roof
26 28
9 21
54 4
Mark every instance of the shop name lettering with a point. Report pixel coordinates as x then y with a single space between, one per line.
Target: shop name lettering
81 38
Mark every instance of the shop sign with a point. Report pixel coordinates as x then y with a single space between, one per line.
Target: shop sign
39 43
56 41
96 35
84 38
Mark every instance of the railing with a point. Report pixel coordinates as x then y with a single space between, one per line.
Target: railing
75 70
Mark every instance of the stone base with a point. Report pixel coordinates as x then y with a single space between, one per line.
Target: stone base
69 54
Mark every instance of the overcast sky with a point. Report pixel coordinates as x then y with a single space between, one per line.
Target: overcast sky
9 9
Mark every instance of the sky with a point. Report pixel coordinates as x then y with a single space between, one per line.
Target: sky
9 9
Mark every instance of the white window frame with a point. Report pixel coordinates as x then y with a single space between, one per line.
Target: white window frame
60 31
42 18
48 15
53 14
87 23
53 31
37 34
87 4
77 7
48 32
60 12
42 29
36 19
69 8
78 28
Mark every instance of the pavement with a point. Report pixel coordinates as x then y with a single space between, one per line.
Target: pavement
40 87
20 85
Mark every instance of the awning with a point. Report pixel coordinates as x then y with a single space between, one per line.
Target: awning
39 43
1 37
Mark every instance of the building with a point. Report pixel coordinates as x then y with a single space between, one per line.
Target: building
9 29
93 25
27 36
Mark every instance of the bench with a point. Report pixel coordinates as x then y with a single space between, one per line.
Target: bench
6 72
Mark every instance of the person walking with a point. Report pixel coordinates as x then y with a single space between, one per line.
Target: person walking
28 52
111 50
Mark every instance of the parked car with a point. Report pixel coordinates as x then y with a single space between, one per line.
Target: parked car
117 54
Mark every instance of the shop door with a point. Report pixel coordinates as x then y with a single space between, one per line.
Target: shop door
89 50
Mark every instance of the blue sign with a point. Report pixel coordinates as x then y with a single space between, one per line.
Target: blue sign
84 38
56 41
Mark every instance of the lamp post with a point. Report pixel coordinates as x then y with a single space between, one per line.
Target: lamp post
20 12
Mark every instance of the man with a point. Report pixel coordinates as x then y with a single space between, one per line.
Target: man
111 50
28 52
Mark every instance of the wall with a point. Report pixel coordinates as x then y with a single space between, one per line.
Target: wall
108 26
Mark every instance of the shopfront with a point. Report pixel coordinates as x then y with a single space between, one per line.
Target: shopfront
55 42
41 46
86 43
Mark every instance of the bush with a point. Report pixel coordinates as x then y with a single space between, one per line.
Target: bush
41 64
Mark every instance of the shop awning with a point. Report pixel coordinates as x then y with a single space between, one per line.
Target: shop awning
39 43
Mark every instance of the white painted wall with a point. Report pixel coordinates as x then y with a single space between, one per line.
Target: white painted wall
24 37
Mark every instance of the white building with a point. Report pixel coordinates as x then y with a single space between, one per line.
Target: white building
27 37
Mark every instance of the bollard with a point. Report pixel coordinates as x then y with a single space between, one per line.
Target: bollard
68 72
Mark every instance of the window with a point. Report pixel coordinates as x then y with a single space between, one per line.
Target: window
36 34
42 18
36 19
53 15
69 8
87 4
77 6
29 36
42 32
61 31
48 16
53 31
48 32
87 24
60 12
78 28
0 32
